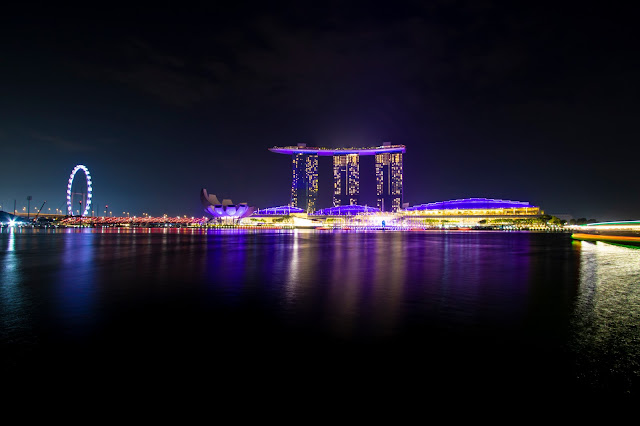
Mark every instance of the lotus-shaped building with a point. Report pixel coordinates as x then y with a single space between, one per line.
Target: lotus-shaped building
224 209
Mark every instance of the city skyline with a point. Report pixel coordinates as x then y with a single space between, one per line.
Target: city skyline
493 100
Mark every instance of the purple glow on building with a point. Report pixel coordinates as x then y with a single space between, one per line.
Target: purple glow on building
281 210
223 209
472 203
227 211
337 151
345 210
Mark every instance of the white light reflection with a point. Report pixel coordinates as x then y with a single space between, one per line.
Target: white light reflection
293 273
604 324
15 316
346 284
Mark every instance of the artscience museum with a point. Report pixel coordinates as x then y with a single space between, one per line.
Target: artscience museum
225 210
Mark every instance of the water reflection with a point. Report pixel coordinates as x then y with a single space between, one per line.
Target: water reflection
388 276
606 318
74 298
358 284
16 318
164 286
227 269
345 288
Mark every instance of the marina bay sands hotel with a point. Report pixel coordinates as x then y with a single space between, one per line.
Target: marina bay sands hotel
346 175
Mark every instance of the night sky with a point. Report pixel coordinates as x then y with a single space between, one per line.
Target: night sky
535 102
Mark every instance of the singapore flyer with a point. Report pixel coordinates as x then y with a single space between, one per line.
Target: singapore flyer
85 199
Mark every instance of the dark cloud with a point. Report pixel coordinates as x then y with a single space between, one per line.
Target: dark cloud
171 86
143 68
61 143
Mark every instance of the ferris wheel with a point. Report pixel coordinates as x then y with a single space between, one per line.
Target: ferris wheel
86 197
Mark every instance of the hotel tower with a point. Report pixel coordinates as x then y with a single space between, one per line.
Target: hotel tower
346 175
304 185
389 180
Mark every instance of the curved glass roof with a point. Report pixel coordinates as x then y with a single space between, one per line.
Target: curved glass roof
280 210
471 203
345 210
219 210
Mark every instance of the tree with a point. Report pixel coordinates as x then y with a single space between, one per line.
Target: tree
555 221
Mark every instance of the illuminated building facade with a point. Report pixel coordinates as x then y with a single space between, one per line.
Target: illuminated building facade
389 181
226 209
472 211
346 174
346 179
304 185
477 206
349 210
466 214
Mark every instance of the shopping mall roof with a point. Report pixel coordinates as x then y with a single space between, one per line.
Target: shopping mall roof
471 204
345 210
279 211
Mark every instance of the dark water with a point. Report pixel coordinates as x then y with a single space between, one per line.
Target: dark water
449 311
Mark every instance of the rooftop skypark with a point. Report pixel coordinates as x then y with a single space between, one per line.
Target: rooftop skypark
302 148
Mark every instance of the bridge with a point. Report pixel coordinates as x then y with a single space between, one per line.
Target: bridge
132 221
